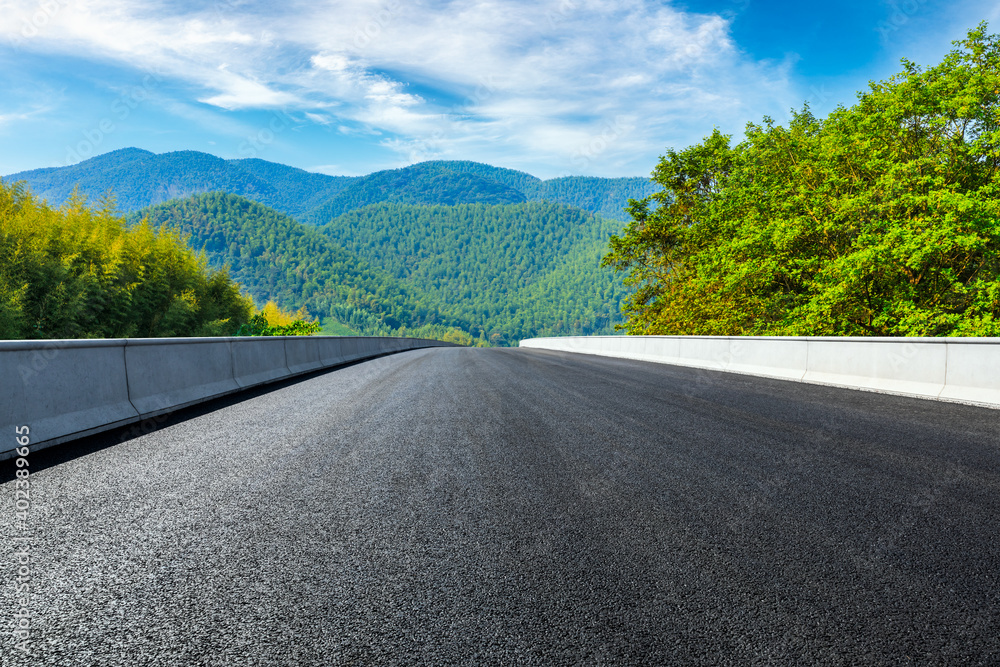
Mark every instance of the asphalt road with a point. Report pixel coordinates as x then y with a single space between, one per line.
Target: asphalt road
469 506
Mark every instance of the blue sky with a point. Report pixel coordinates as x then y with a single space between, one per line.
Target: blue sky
552 87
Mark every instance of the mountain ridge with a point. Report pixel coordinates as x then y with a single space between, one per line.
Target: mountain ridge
139 178
474 272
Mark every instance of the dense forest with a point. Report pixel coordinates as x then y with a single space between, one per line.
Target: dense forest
78 272
470 273
457 250
276 258
138 178
517 270
881 219
419 184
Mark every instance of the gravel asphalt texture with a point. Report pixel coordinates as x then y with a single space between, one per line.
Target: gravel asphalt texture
518 507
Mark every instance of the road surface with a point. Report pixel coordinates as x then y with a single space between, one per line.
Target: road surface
507 506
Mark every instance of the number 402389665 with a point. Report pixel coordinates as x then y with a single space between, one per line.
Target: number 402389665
22 500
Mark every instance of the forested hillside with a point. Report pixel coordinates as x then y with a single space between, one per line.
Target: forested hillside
420 184
296 192
605 196
608 197
277 258
495 273
517 270
450 249
138 178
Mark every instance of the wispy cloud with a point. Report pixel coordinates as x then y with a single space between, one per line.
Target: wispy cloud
447 79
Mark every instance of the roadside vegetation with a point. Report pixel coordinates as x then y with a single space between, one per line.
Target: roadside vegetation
882 219
82 272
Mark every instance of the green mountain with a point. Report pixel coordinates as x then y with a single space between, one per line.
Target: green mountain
605 196
516 270
139 178
426 183
276 258
516 180
296 191
494 273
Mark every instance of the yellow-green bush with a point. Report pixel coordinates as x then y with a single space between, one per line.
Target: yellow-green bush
81 272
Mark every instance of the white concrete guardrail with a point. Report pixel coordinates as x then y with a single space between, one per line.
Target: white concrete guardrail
964 370
66 389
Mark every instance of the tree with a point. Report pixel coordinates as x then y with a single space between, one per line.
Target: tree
78 272
882 219
272 321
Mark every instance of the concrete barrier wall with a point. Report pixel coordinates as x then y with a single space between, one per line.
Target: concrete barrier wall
301 354
257 360
332 352
66 389
965 370
973 372
62 386
166 374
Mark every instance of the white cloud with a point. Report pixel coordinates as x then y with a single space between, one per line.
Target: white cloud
23 114
238 92
319 118
463 77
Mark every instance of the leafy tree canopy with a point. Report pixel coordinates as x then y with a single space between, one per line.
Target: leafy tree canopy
78 272
882 219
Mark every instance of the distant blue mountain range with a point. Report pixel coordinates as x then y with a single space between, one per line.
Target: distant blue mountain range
138 178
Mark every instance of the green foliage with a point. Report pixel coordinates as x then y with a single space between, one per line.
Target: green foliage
79 272
882 219
506 270
427 183
332 327
513 271
277 258
467 273
259 326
